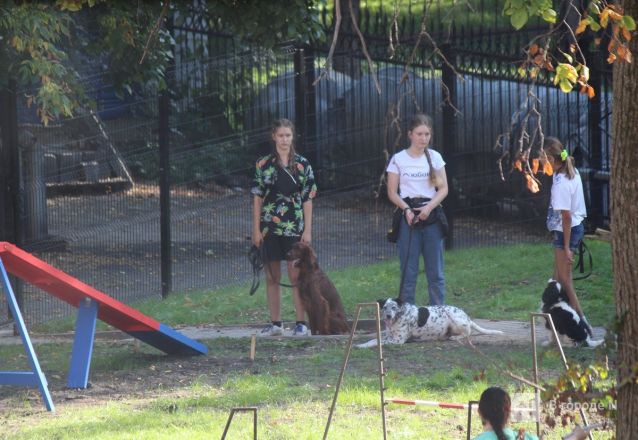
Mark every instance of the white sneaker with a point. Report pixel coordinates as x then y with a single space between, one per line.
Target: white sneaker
300 330
272 330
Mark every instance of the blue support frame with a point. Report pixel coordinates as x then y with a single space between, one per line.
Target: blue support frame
78 376
24 378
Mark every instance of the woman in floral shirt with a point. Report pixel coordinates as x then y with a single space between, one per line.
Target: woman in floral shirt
282 215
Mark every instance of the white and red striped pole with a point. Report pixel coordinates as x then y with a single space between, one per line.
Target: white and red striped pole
517 413
428 403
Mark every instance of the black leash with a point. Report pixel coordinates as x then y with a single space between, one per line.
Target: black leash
257 258
257 263
580 264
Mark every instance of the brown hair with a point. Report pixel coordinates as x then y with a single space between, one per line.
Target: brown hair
416 121
277 124
495 406
553 147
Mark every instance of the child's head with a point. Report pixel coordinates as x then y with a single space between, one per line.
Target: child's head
421 130
558 157
421 120
283 135
494 407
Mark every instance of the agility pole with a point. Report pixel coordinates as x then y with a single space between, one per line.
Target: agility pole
375 305
252 409
549 319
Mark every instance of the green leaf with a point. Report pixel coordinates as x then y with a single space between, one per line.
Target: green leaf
594 25
519 18
629 22
549 15
566 86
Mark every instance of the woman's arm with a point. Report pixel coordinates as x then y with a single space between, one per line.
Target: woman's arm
393 191
394 197
306 236
441 193
257 236
567 234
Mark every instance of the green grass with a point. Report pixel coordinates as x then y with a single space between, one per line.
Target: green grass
292 393
503 282
143 394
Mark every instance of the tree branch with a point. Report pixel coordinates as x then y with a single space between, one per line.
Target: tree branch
155 30
335 36
364 48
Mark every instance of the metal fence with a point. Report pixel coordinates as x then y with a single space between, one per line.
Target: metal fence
91 186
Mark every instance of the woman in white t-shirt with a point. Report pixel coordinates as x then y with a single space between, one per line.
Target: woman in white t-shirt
417 184
565 216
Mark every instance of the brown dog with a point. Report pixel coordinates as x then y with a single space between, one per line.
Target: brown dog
318 295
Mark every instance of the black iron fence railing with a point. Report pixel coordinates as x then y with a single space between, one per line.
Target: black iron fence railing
151 194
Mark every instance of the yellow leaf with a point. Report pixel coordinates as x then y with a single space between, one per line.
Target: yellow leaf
591 92
615 16
582 26
604 17
572 74
626 34
584 71
611 58
535 164
566 86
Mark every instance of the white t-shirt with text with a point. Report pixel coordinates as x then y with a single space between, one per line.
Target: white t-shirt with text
414 173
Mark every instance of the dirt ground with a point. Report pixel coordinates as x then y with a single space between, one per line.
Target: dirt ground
229 348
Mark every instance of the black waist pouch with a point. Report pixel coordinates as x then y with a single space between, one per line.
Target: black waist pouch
393 232
437 215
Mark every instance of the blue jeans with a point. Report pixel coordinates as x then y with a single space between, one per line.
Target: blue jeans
427 242
577 234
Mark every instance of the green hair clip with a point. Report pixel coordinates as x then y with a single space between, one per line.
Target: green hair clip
563 155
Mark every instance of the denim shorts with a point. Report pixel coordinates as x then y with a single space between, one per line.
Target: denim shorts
578 232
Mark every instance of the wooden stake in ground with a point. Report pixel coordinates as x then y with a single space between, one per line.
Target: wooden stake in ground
253 344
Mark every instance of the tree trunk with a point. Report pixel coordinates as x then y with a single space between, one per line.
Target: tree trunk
624 226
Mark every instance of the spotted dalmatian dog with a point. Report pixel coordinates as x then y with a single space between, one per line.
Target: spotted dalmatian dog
406 322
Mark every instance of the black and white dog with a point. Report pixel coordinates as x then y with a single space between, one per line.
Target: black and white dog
406 322
570 327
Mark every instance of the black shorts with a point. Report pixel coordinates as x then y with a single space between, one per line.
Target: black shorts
276 247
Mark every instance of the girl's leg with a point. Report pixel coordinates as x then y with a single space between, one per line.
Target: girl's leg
564 277
432 249
273 293
293 274
409 260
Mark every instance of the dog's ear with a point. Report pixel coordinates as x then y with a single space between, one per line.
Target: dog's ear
382 302
551 293
424 314
399 301
312 257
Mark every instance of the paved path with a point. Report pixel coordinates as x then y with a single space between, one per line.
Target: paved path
515 333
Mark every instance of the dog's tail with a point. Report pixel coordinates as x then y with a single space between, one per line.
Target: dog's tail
484 331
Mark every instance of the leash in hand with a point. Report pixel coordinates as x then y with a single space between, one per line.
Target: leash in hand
257 258
257 262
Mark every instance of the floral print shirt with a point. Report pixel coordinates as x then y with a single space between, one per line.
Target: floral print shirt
283 214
